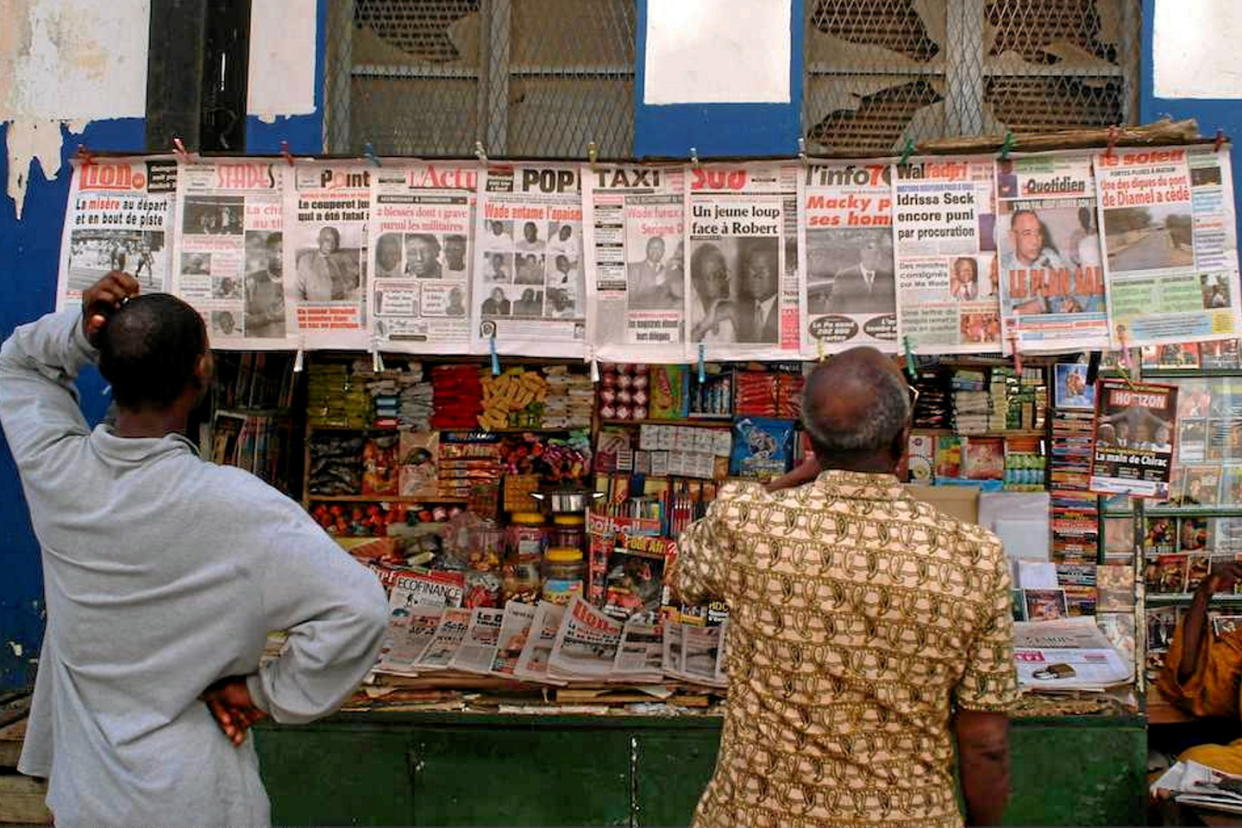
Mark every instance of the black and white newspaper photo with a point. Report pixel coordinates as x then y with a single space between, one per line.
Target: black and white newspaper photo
422 224
529 290
633 231
947 292
230 248
1170 245
742 244
326 252
119 217
848 293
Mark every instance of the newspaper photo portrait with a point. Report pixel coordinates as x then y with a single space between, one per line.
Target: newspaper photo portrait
1048 239
119 217
1135 427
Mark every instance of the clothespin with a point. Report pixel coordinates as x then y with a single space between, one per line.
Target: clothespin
594 370
285 153
377 361
183 155
702 366
802 152
819 346
85 156
1093 367
592 153
694 157
911 369
1112 142
1017 355
1220 140
479 152
1007 145
491 344
368 150
298 357
906 151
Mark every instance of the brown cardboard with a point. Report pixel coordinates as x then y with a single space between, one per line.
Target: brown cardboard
962 502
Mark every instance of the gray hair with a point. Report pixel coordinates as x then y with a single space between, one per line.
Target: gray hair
879 419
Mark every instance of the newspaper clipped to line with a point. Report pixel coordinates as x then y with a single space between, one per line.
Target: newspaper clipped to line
586 645
532 664
422 221
515 631
1135 424
948 297
1052 283
633 229
120 216
326 205
529 291
848 296
1072 654
742 242
230 240
1170 245
446 641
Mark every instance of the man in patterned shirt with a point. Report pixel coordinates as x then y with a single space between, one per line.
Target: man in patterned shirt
866 630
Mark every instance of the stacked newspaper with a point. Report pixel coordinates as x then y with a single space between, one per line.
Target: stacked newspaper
695 653
1194 784
1070 654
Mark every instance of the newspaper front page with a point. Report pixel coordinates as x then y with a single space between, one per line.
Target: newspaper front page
1047 234
230 242
119 217
848 296
640 655
447 640
948 299
411 626
633 229
533 662
1071 654
529 289
742 243
1170 245
586 644
515 631
422 221
326 208
478 648
1135 424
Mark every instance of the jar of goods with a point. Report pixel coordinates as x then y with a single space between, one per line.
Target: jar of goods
564 574
527 538
487 547
568 531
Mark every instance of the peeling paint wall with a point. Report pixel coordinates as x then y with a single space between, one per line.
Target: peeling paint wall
282 59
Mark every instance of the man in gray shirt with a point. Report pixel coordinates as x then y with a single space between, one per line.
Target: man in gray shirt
163 575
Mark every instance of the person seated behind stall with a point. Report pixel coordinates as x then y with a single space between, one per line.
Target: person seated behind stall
867 629
1202 671
164 574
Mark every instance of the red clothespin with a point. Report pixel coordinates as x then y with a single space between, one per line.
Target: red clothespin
1017 355
1112 142
1220 140
85 156
285 153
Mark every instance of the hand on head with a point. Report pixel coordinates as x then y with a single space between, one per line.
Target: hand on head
102 298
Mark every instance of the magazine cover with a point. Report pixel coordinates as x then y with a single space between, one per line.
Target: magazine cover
1045 604
1134 428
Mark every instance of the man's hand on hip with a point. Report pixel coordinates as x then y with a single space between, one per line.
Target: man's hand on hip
230 704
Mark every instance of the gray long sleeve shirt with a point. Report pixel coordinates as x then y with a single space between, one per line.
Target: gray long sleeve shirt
164 573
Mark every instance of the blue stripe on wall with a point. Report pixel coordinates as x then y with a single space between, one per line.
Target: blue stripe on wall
32 250
720 129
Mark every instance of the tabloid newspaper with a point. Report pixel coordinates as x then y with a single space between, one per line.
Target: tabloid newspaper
445 643
431 587
695 653
1170 245
948 300
515 631
411 626
478 648
848 295
1047 235
1068 654
422 221
529 292
1134 428
640 656
532 664
633 229
326 205
742 243
230 244
119 217
586 644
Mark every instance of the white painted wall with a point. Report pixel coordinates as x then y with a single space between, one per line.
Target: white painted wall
282 58
1196 51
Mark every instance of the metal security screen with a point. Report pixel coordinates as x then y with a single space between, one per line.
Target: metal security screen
881 71
526 77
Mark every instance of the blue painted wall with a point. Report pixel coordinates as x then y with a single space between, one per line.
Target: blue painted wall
303 132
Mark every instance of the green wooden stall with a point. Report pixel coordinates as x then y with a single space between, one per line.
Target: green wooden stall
395 768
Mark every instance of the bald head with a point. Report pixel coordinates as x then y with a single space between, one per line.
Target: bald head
856 409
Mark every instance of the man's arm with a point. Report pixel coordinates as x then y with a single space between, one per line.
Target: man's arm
703 553
1194 628
983 756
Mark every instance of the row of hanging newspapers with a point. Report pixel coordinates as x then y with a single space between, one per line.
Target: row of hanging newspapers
1051 252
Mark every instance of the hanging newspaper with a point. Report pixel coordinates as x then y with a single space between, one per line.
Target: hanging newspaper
231 248
326 254
586 644
119 217
1072 654
532 664
529 292
846 246
422 220
1170 245
1134 428
742 238
948 301
1052 284
633 230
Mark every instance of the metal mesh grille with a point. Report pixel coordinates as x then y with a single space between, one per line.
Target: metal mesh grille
881 71
526 77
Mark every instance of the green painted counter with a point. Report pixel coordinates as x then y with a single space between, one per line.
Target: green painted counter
482 769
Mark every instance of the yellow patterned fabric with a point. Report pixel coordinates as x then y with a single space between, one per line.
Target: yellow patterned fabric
858 617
